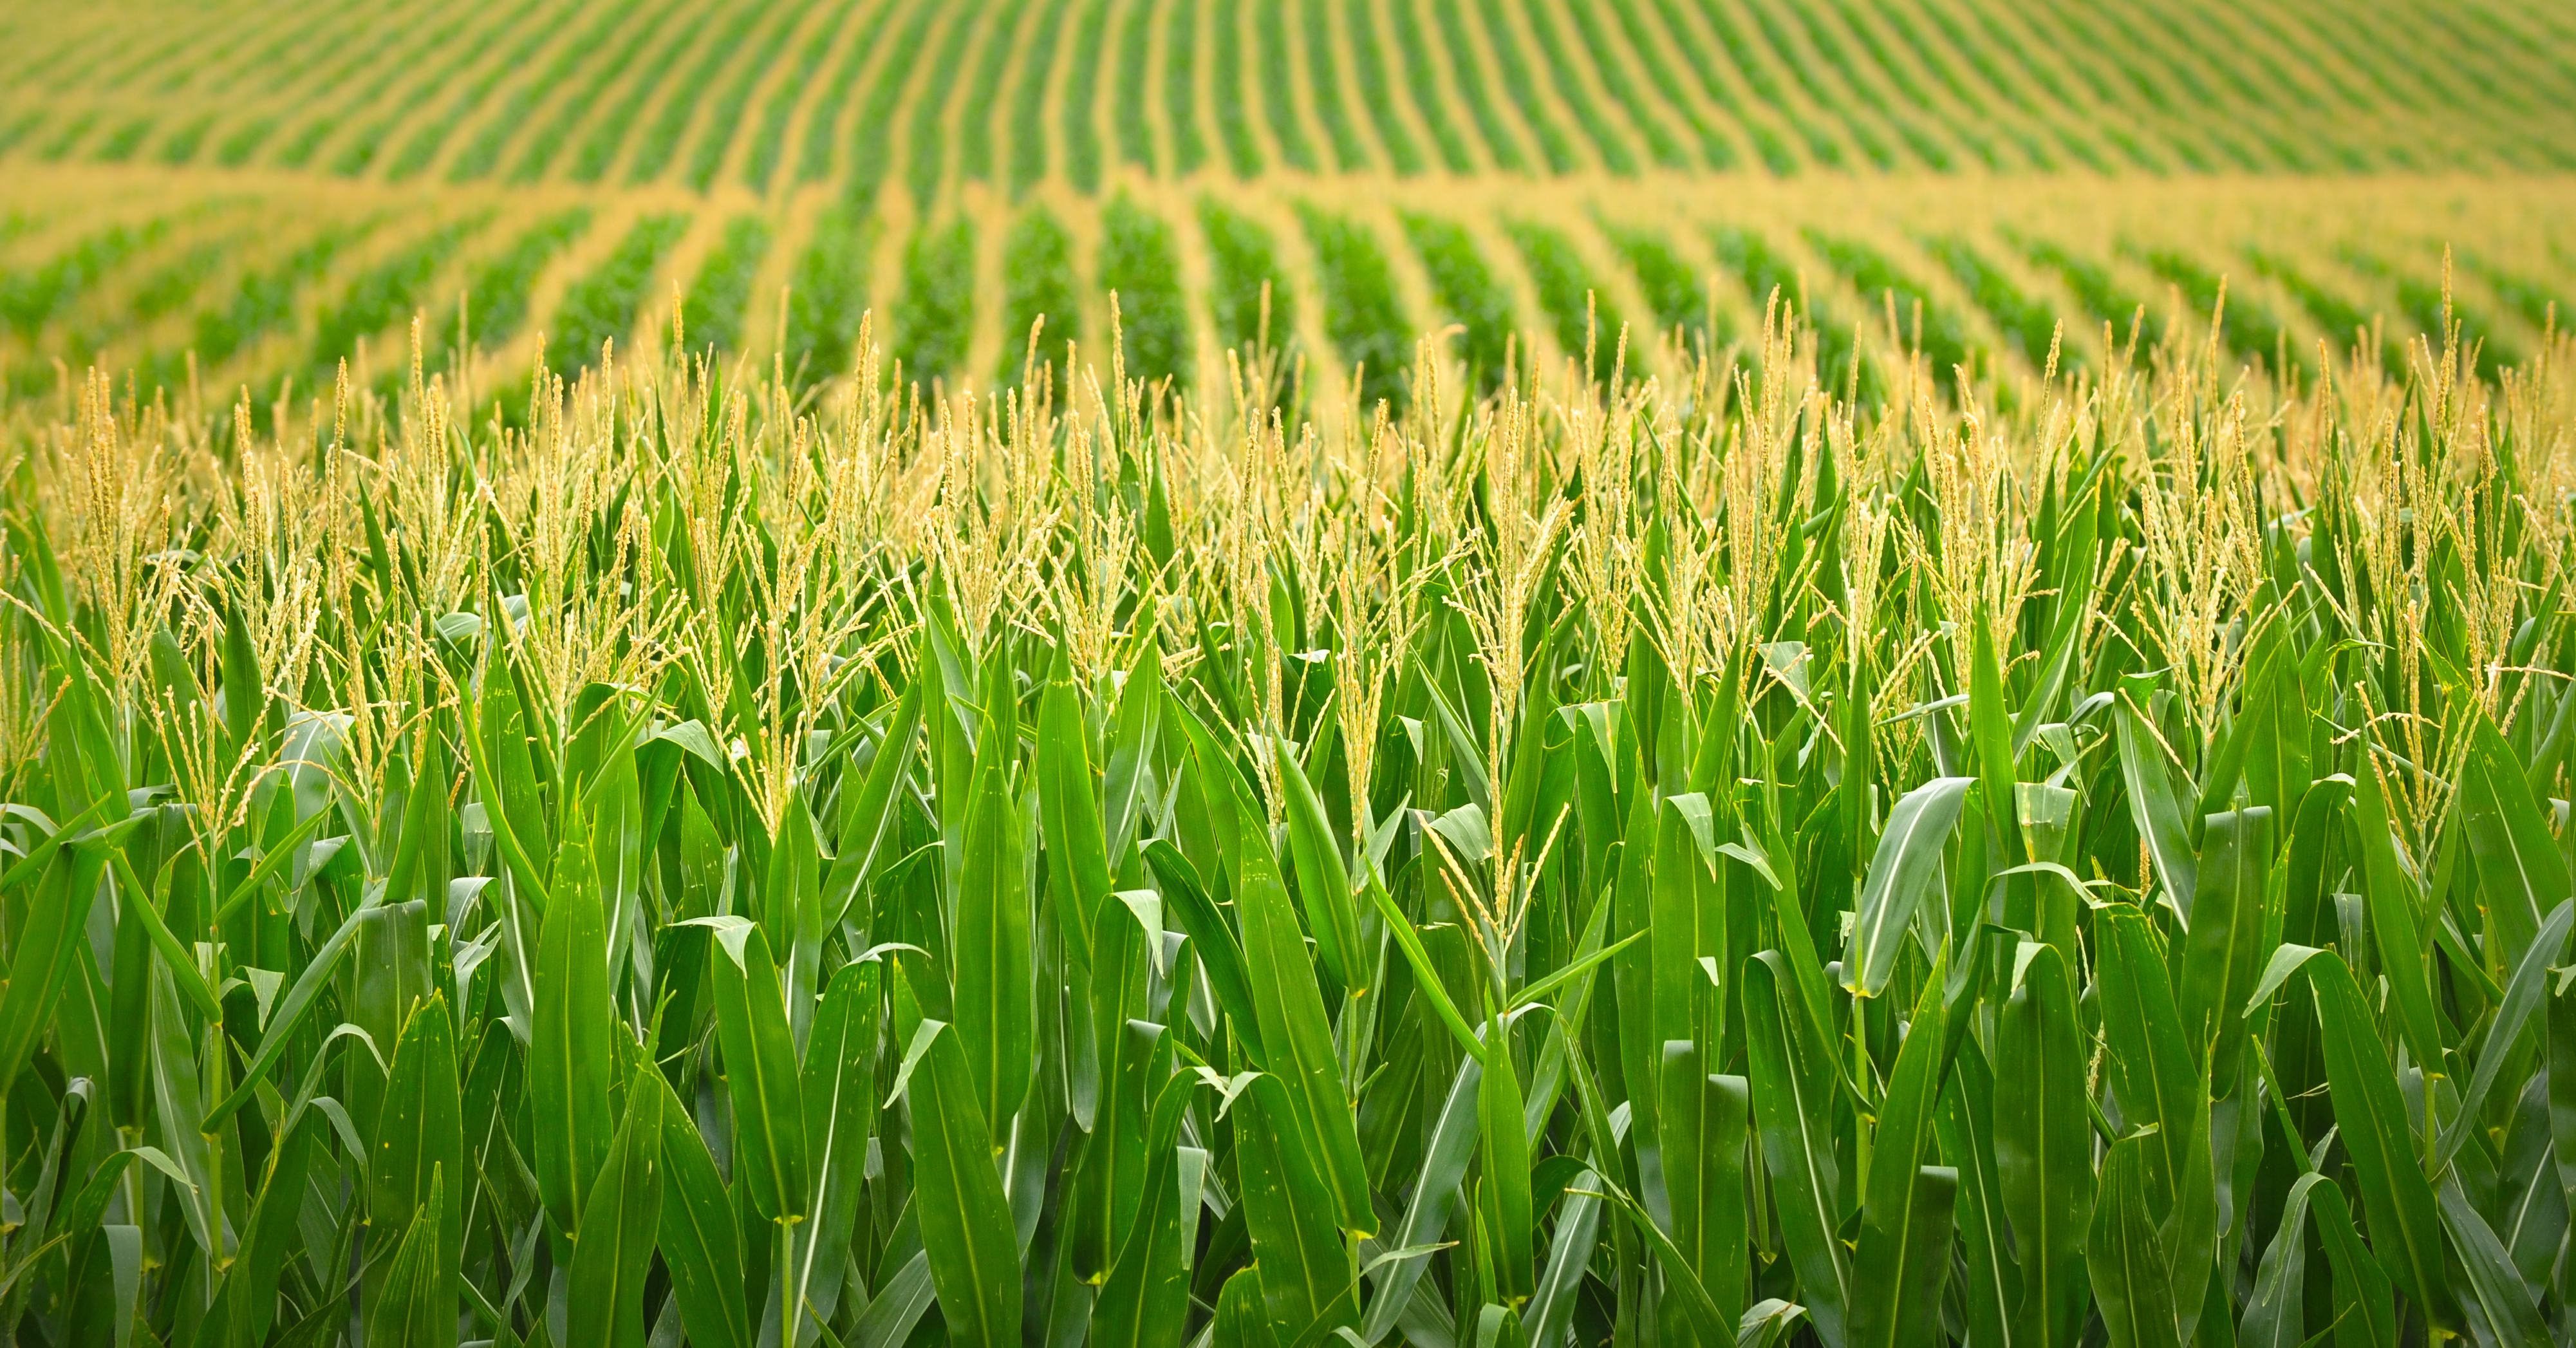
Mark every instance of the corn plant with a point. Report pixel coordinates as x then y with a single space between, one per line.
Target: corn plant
1698 861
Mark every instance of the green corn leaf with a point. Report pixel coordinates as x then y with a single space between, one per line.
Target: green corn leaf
1076 845
1220 953
993 982
1306 1268
1507 1165
570 1061
2276 1315
415 1305
1767 1322
1144 1302
1900 875
1704 1118
2500 1306
288 1015
2154 806
1136 734
1905 1205
1243 1314
1435 1192
2044 1146
1965 1126
2151 1069
837 1089
1323 883
2370 1116
957 1195
1992 728
42 953
868 814
760 1067
1696 1314
2523 995
2365 1301
421 1129
2520 871
1299 1041
250 1289
1632 976
619 1221
1578 1233
2132 1278
1685 924
1427 981
2394 899
1793 1113
418 870
699 1238
2223 954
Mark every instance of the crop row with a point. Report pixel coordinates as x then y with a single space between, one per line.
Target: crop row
1537 86
1958 300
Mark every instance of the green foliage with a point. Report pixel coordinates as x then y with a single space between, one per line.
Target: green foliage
925 160
1037 283
1029 121
385 295
1361 316
1500 144
1135 131
2028 326
1080 123
482 155
716 300
1278 76
601 148
1564 74
1413 47
2249 329
2100 294
1233 115
826 294
1179 80
1769 277
1922 323
602 306
1587 324
823 117
872 157
1673 290
1247 282
31 299
169 287
983 94
2345 322
1323 71
497 298
1140 263
264 301
934 315
1379 94
661 142
724 120
1468 292
729 874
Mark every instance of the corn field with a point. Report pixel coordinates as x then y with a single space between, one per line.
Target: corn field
1693 859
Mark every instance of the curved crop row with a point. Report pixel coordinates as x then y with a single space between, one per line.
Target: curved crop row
602 306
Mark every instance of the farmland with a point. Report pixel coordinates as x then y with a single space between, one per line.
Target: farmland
1883 674
2002 170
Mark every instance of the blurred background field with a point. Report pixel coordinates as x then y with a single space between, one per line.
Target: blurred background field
278 187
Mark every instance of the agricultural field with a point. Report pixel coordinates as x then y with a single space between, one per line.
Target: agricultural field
279 188
1454 673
